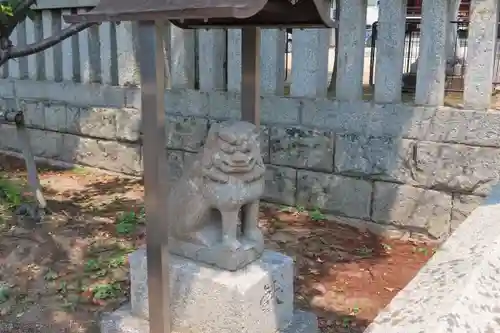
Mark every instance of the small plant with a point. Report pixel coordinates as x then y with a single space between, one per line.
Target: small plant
422 250
63 288
126 223
92 265
346 321
117 261
317 215
300 208
4 294
105 291
50 276
79 170
99 274
10 194
364 251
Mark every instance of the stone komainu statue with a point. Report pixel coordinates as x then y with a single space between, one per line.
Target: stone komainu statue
214 207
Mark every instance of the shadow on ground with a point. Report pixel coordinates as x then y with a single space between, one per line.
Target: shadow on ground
64 272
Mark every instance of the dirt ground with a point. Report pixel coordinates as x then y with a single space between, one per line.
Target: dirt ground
58 275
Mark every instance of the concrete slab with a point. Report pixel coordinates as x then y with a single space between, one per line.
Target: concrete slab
122 321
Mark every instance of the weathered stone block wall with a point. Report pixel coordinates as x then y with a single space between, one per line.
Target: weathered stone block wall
421 168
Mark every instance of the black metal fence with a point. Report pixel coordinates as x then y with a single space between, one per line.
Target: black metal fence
456 66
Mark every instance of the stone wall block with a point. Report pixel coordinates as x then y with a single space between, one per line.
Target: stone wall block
93 122
459 168
336 194
280 110
224 105
186 102
264 143
55 117
34 114
8 138
187 133
128 124
175 160
302 148
410 207
374 157
72 93
109 155
280 185
46 144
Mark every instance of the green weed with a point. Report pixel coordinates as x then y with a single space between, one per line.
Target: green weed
317 215
106 291
126 223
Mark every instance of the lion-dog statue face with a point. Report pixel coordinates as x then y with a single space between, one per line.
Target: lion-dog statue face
232 150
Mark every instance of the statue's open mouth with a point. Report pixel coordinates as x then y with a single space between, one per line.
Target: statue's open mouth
237 166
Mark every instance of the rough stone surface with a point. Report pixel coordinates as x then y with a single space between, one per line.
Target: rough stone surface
128 124
280 185
264 143
463 206
97 122
432 56
187 133
457 167
390 51
335 194
55 117
309 75
34 114
121 321
302 148
374 157
258 298
274 109
69 92
214 206
458 290
351 43
8 138
175 160
46 144
412 207
110 155
482 37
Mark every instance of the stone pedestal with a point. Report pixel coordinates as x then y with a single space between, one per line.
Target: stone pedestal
204 299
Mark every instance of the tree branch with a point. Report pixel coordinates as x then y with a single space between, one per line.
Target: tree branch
45 43
19 14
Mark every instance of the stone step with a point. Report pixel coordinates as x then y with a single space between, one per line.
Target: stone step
210 300
122 321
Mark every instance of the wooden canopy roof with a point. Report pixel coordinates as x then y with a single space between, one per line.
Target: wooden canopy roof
214 13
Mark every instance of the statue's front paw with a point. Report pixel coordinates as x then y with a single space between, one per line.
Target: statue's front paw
232 244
